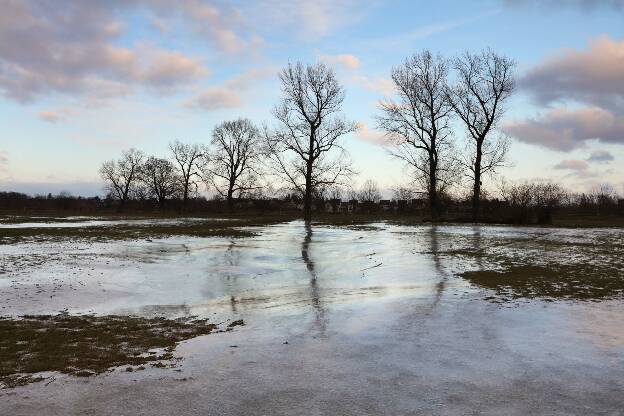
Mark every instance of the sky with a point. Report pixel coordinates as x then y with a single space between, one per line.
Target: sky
80 81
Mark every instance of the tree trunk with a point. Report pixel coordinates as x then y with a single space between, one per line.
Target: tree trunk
476 191
307 201
433 194
230 200
185 195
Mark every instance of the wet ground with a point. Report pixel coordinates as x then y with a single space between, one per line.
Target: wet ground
381 319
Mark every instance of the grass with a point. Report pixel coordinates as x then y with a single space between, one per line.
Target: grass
561 266
89 345
555 282
209 227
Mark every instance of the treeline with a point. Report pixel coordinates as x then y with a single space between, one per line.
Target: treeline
299 159
302 152
520 203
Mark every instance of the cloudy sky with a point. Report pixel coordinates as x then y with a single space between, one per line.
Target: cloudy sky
82 80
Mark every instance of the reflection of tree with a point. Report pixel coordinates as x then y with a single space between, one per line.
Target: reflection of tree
304 251
315 296
437 263
232 260
477 245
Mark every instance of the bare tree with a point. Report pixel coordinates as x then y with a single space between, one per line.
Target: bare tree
485 81
160 178
121 175
369 192
402 192
305 149
188 159
234 159
417 123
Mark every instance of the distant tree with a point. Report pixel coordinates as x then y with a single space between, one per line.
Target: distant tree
334 192
305 149
417 123
188 161
485 81
160 179
121 176
404 193
539 199
369 192
234 159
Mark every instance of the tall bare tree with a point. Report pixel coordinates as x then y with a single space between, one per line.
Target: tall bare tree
234 159
305 149
160 178
485 81
121 176
417 123
188 159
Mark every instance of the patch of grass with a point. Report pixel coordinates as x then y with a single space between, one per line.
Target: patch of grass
88 345
199 228
552 282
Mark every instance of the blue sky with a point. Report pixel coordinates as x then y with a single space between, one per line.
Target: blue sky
82 80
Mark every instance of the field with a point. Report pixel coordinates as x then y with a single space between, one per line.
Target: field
270 316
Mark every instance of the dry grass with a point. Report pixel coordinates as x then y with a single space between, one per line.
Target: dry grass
88 345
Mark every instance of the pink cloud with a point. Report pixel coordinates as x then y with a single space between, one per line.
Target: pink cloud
346 61
564 129
595 75
72 48
229 94
55 116
379 85
572 164
370 136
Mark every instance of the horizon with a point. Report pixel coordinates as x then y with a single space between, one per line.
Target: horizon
80 82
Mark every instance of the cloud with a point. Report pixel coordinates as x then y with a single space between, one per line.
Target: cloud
229 94
213 20
310 20
594 76
168 69
564 130
379 85
345 60
55 116
600 156
215 98
74 48
370 136
572 164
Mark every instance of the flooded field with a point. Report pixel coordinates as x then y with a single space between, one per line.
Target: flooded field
372 319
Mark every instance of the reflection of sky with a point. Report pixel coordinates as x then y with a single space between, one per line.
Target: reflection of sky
379 36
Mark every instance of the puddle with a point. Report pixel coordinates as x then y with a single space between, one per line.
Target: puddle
335 314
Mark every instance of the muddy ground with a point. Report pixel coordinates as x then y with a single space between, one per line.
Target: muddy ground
339 320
